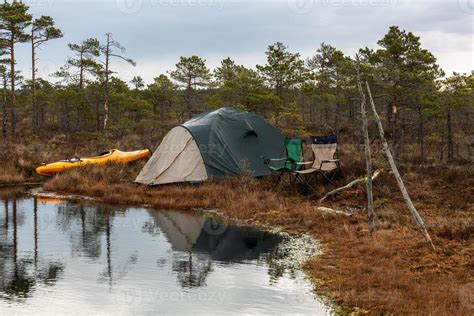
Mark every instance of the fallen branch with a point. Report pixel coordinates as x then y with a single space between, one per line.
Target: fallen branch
350 185
332 211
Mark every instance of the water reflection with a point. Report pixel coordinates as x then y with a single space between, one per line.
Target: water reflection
198 241
84 254
20 274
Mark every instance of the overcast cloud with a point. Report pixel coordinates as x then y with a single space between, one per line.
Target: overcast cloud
157 32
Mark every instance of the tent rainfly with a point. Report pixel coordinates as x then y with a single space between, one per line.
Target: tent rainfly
215 144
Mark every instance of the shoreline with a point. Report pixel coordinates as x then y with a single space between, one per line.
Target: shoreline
356 272
304 247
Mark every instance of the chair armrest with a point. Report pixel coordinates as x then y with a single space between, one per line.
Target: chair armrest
277 159
305 163
330 160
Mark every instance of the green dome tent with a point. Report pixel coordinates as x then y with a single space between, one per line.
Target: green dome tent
215 144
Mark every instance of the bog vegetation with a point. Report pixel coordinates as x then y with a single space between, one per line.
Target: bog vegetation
427 114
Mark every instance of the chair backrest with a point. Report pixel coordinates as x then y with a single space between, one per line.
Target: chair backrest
294 149
327 139
324 148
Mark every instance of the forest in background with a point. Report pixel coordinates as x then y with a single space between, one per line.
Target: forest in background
427 113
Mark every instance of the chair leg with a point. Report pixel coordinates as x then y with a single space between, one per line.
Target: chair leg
309 181
276 179
329 176
304 180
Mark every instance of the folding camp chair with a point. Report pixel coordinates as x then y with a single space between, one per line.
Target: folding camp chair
326 160
288 164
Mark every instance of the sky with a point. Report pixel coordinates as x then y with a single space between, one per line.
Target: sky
156 33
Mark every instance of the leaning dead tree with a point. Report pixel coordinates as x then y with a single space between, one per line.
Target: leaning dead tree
350 185
368 161
108 50
391 161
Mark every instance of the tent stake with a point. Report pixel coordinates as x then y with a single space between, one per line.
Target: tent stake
406 196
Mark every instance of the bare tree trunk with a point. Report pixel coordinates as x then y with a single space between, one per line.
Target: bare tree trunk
449 125
188 98
106 115
406 196
41 112
421 136
12 82
34 110
441 152
368 161
337 110
81 68
106 103
97 114
4 105
323 105
389 115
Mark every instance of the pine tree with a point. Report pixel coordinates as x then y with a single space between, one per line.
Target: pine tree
14 20
191 74
42 31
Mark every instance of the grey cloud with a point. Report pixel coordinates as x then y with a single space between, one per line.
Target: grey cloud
167 29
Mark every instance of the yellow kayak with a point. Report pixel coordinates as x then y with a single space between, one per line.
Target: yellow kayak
113 155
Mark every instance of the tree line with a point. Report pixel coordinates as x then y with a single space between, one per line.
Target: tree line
426 113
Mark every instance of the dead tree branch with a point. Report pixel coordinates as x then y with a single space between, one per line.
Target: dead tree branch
350 185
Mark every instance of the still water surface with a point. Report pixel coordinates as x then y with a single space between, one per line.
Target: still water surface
58 257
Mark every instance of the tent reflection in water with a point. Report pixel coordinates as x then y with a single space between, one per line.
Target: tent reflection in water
215 144
198 234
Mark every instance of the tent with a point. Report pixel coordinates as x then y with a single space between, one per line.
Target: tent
215 144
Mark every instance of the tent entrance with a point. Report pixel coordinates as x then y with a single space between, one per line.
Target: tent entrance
177 159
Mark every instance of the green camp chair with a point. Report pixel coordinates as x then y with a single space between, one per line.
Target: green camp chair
290 163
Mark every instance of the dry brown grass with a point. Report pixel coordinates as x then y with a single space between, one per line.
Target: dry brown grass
391 271
19 159
9 174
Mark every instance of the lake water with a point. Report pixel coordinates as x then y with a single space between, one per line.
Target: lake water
59 257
